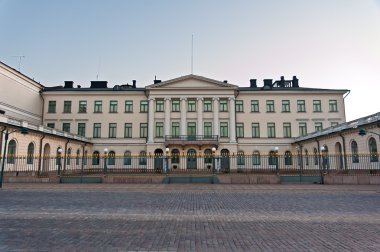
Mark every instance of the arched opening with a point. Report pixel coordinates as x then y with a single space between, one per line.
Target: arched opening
288 158
77 157
85 158
127 158
175 158
339 155
325 157
30 154
11 155
158 159
306 157
225 160
95 158
46 158
142 158
316 156
111 158
272 158
68 157
240 158
256 160
372 147
191 159
354 152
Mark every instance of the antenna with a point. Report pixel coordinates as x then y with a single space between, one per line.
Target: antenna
97 75
192 52
19 60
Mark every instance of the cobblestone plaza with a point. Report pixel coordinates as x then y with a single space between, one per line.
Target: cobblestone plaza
75 217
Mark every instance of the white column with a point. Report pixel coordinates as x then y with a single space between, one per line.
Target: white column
216 116
232 120
200 116
151 121
183 116
167 116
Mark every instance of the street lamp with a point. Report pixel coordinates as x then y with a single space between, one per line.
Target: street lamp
167 160
59 158
105 160
213 159
275 150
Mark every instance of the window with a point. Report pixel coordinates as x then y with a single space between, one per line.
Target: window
82 107
142 158
159 105
271 128
240 158
208 156
127 158
95 158
255 106
317 107
85 158
82 129
191 106
68 157
306 157
51 125
77 157
175 129
316 156
302 129
111 158
66 127
285 106
175 156
30 154
287 130
98 107
239 107
11 152
67 107
256 158
333 106
334 124
143 130
207 106
143 106
223 106
128 130
301 106
255 130
240 130
207 129
354 152
128 106
224 129
112 130
270 106
374 156
318 126
97 130
288 158
272 158
191 128
159 129
113 106
52 106
175 106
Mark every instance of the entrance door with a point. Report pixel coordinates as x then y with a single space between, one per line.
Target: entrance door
158 159
46 159
191 159
225 160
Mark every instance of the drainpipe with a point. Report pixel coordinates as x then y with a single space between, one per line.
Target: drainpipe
1 139
82 166
64 164
43 107
344 150
40 156
301 158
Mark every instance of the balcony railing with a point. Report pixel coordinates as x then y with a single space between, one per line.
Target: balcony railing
192 139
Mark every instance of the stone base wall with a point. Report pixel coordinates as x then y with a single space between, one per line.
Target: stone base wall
352 180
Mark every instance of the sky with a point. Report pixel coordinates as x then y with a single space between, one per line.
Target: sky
326 43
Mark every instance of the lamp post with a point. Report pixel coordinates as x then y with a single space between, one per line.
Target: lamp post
105 160
275 149
59 152
167 150
323 159
213 159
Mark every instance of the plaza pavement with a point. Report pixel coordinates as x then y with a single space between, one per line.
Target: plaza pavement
181 217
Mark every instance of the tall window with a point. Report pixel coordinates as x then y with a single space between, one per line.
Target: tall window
142 158
255 106
207 129
113 106
98 106
287 130
271 128
128 106
374 156
159 129
255 130
285 106
224 129
11 157
95 158
82 107
67 107
77 157
317 107
302 129
51 125
175 156
270 105
239 106
288 158
272 158
143 106
256 158
354 152
240 130
316 156
30 156
52 106
301 107
175 129
128 130
223 105
240 158
333 106
143 130
68 157
127 158
175 105
111 158
66 127
159 105
82 129
97 130
191 128
191 106
318 126
307 157
207 106
208 156
112 130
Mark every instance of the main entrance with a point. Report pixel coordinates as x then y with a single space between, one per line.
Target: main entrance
191 159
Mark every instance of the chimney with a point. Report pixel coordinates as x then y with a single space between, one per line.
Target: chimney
268 82
295 82
69 84
282 82
98 84
225 81
134 84
253 83
157 81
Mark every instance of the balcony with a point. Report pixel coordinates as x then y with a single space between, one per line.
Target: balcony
192 140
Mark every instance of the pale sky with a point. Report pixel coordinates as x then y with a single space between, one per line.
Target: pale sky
325 43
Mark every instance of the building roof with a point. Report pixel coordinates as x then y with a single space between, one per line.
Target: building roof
21 75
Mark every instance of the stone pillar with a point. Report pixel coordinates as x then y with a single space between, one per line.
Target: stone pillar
183 116
167 116
232 120
151 121
200 116
216 116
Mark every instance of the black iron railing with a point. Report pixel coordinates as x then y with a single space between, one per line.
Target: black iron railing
192 137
